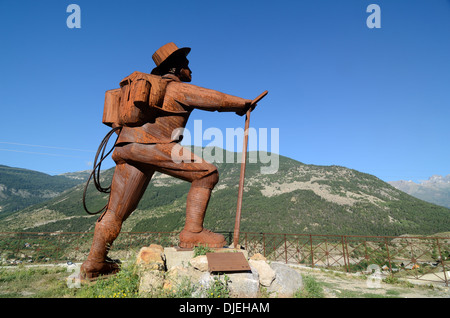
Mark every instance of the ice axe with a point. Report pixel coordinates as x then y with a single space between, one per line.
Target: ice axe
237 223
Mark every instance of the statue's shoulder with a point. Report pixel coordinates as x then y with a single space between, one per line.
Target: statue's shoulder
136 75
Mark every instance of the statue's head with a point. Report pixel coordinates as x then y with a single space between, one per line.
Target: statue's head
169 59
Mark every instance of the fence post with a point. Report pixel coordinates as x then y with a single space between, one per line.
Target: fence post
18 245
312 253
285 249
366 256
246 242
264 244
388 255
58 249
442 262
343 254
348 254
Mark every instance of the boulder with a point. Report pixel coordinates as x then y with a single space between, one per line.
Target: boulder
176 257
244 285
151 258
258 257
287 281
265 272
151 281
177 275
200 263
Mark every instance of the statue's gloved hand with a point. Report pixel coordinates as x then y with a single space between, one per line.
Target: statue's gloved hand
246 108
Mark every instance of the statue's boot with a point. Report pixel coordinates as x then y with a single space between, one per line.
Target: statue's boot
193 233
97 263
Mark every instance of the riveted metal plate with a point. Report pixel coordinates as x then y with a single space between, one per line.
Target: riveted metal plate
227 262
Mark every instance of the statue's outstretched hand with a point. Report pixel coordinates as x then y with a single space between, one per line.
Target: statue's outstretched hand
248 106
251 105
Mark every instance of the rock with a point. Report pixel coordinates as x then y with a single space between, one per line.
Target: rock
200 263
175 257
258 257
151 258
244 285
157 247
195 281
151 281
179 274
265 272
287 281
205 280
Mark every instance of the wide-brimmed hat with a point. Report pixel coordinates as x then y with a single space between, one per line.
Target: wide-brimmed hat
165 53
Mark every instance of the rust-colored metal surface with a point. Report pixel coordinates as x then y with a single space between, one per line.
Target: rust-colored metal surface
237 223
150 112
227 262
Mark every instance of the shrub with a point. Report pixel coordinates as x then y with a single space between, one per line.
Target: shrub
219 288
201 250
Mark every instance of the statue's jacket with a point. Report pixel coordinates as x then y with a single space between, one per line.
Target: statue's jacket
165 124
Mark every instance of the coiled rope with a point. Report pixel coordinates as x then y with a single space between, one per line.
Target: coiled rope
96 170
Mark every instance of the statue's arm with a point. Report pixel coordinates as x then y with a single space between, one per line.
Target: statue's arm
206 99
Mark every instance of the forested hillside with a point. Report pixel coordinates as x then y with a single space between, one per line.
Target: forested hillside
299 198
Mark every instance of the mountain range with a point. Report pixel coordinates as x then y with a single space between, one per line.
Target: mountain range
298 198
435 190
20 188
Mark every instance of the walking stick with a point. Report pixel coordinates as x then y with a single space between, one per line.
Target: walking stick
237 223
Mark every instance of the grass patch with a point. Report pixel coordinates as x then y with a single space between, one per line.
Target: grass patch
124 284
36 282
311 288
202 250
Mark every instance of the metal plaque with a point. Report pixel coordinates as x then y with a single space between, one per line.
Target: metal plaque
227 262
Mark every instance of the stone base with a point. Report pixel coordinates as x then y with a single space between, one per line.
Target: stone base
180 266
177 257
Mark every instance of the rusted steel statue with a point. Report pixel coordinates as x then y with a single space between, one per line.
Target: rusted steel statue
148 111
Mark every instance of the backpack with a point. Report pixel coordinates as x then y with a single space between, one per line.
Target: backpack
134 103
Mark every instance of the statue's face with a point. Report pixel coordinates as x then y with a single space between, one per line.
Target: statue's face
185 74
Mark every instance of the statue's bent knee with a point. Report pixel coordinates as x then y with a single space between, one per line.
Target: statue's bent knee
208 181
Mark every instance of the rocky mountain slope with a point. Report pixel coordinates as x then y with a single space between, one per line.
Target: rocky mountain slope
20 188
434 190
298 198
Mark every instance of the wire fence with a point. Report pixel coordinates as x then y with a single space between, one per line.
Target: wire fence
420 258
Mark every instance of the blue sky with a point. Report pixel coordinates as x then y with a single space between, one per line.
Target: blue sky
340 93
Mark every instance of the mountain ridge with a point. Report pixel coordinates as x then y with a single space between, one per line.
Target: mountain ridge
299 198
434 190
21 187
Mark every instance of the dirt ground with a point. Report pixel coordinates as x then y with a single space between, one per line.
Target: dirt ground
334 285
343 285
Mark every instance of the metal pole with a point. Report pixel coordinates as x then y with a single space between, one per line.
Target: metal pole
264 243
312 254
237 223
285 249
388 255
348 255
343 254
442 262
